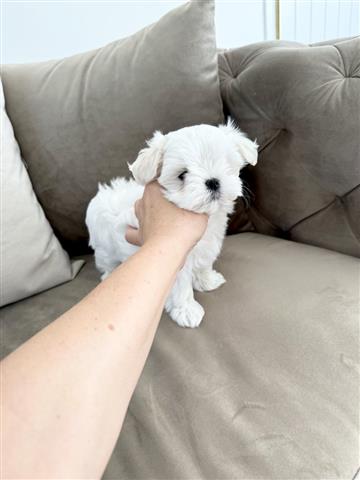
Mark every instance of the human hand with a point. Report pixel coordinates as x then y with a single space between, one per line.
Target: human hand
161 220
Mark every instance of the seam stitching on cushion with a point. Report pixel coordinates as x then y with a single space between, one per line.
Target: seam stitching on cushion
328 206
316 180
270 141
350 191
312 214
342 60
311 175
252 208
347 216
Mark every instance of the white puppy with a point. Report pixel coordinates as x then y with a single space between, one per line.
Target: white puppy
198 168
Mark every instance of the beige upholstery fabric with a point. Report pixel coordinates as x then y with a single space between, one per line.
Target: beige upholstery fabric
80 119
31 258
266 388
303 106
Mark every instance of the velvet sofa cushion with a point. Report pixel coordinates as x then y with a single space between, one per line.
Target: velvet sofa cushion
302 103
266 387
31 257
79 120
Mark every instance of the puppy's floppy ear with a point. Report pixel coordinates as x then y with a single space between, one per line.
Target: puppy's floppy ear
246 148
147 166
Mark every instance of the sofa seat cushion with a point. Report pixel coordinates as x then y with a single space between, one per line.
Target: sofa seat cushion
267 387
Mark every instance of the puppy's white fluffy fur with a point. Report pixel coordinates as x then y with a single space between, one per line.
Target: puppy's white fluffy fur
183 162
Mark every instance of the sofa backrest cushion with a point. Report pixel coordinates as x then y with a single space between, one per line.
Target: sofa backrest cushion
302 104
79 120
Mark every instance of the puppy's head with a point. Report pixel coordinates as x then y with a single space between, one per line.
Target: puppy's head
197 166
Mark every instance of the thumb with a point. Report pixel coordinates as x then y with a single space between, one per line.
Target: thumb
132 235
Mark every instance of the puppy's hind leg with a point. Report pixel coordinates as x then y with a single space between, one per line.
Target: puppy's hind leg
181 304
103 264
207 279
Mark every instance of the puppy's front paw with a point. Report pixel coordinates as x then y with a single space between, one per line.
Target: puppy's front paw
189 315
206 280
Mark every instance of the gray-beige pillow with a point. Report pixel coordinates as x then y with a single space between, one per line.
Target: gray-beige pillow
79 120
32 259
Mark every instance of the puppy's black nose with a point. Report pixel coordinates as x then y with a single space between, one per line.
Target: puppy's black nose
213 184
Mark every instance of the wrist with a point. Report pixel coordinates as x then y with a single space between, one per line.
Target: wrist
169 247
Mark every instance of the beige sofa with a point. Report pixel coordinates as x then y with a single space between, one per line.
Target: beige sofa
268 386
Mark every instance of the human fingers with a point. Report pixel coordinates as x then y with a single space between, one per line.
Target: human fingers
132 235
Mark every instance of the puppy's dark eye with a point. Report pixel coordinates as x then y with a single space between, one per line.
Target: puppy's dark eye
182 175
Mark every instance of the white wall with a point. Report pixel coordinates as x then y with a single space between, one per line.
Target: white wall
316 20
43 29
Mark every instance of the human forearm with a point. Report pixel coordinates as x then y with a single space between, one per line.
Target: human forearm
97 349
66 390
